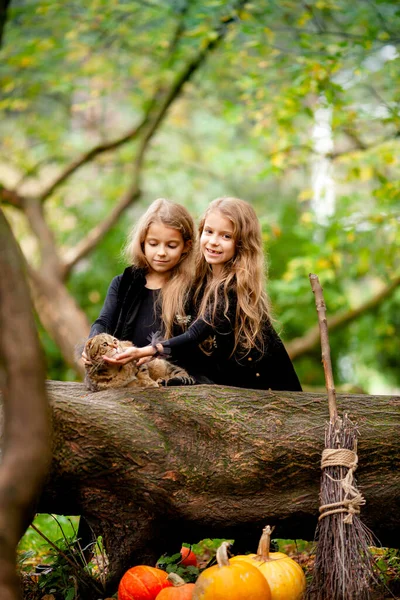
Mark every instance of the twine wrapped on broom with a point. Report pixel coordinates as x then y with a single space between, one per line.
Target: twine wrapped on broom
343 567
352 500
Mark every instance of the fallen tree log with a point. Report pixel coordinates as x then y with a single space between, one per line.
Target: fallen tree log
150 469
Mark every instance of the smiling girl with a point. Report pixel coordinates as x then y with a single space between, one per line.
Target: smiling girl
232 306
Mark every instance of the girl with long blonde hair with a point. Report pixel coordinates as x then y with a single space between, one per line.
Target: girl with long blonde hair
233 322
152 294
244 272
173 278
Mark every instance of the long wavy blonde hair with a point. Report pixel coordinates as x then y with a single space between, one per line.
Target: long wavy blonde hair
175 293
245 273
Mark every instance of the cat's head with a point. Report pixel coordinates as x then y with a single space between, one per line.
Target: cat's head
101 345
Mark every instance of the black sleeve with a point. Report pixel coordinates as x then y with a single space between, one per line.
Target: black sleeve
197 333
201 329
280 367
108 317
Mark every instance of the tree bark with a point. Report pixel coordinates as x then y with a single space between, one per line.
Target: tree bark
25 440
60 315
150 469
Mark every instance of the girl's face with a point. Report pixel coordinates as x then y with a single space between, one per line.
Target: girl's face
217 241
163 247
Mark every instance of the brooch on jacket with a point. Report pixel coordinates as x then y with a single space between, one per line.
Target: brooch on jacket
209 345
183 319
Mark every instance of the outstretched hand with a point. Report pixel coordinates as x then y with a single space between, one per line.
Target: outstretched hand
130 354
144 360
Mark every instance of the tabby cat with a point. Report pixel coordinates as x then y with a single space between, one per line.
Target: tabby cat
101 375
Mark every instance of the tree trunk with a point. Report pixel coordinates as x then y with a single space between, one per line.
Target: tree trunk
150 469
26 440
60 315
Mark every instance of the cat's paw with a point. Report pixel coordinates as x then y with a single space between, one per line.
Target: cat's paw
154 384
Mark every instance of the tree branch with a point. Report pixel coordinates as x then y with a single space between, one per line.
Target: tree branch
33 211
319 23
380 16
354 137
50 260
137 130
393 110
11 197
149 129
361 146
88 243
4 5
91 154
307 343
182 11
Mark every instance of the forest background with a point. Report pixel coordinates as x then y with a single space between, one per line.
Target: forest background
292 106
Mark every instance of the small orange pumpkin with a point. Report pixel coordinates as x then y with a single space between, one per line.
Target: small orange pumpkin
285 577
142 583
179 590
231 580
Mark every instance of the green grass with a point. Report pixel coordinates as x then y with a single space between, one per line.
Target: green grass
54 527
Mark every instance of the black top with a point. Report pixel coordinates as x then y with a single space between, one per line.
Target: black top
271 369
130 311
147 321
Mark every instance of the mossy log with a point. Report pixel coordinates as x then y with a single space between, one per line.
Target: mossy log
150 469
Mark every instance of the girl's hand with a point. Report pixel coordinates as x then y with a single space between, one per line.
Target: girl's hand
130 354
85 359
144 360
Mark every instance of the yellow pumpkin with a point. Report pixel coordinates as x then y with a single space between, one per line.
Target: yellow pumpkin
285 577
229 580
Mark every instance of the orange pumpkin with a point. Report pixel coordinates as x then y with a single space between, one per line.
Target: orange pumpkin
285 577
230 580
179 590
142 583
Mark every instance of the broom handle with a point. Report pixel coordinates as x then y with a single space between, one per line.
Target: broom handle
326 351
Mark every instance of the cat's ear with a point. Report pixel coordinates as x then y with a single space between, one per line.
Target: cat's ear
90 343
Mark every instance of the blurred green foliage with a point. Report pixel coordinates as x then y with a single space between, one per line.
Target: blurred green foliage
54 527
249 124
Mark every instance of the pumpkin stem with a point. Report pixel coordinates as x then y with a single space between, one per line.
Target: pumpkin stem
264 544
222 555
175 579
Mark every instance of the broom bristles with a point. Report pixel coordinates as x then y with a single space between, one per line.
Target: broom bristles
343 567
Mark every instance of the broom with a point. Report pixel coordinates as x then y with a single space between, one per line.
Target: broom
343 567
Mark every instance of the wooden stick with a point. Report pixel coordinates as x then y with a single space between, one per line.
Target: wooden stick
326 351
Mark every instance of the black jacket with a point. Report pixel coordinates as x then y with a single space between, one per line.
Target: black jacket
271 369
121 304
